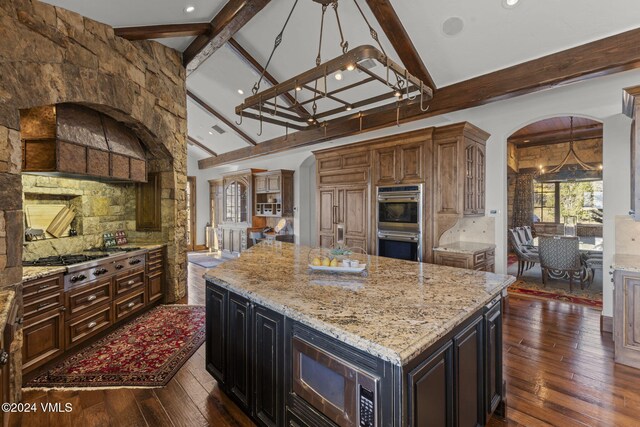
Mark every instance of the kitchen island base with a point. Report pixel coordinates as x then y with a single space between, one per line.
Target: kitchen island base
281 371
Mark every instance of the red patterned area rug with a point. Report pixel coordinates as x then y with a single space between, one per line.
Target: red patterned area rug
523 288
146 352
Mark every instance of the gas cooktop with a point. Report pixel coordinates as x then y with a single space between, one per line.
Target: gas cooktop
62 260
114 249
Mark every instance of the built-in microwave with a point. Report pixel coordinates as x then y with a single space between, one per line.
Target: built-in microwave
343 393
399 208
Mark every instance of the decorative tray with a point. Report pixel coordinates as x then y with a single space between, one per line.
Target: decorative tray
339 269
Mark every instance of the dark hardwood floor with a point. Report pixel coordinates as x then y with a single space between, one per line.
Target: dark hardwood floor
559 371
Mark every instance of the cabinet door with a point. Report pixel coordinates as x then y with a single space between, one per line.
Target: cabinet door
154 286
236 241
480 179
469 178
239 350
355 215
493 354
468 357
431 390
453 260
326 216
273 183
148 214
411 163
216 332
385 166
43 339
261 184
268 366
627 318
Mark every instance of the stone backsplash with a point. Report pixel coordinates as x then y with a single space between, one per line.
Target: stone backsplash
100 208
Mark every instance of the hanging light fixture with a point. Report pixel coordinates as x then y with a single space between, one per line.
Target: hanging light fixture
395 86
578 171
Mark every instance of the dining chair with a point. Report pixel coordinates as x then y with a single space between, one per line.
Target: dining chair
560 255
593 261
527 257
528 233
254 236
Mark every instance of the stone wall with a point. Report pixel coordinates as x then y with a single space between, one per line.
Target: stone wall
49 55
100 208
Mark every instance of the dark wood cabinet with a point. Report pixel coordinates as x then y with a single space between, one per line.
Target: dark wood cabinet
384 161
274 193
494 394
84 327
148 204
43 338
431 390
245 353
7 379
82 299
403 163
474 181
216 332
239 350
268 366
155 275
468 361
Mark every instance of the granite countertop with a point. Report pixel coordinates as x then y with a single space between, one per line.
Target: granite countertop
397 311
30 272
465 247
7 295
626 262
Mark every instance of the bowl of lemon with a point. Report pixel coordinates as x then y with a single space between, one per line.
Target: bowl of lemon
331 260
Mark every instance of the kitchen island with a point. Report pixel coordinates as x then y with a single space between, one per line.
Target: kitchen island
425 339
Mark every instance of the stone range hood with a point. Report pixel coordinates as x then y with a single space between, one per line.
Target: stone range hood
72 140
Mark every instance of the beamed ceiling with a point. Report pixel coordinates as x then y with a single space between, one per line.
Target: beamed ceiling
476 66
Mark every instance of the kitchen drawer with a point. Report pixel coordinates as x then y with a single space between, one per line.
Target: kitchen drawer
154 254
154 265
129 281
82 299
37 303
479 258
491 254
128 305
88 325
35 288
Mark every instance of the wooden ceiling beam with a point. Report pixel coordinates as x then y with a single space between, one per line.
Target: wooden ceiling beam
610 55
253 63
394 30
162 31
197 143
220 117
558 135
233 16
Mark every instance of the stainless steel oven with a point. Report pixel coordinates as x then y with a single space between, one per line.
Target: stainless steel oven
346 395
399 226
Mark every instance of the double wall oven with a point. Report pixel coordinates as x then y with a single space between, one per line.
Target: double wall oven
399 222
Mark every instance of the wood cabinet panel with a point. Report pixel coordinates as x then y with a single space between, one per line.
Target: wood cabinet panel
385 164
148 203
344 177
447 193
493 358
84 327
239 348
84 298
355 212
453 260
411 163
36 304
355 159
216 331
627 318
481 261
268 366
468 362
43 339
431 390
128 281
32 288
261 184
326 210
274 183
155 286
128 305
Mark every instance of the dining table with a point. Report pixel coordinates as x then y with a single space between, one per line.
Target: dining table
586 244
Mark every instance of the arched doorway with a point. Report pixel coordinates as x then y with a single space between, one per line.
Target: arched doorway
555 189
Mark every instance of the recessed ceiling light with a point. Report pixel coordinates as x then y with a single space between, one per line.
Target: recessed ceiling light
338 75
453 26
190 9
240 91
509 3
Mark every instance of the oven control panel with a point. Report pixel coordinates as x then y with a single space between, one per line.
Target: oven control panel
367 408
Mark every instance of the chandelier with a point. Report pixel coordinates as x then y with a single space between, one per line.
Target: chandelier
580 171
317 100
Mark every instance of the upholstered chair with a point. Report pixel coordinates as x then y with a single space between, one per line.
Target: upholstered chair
560 257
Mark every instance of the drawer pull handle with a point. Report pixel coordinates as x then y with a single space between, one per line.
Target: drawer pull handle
41 287
91 298
131 304
92 325
131 282
44 304
4 358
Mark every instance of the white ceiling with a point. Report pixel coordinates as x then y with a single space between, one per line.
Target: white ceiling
493 38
